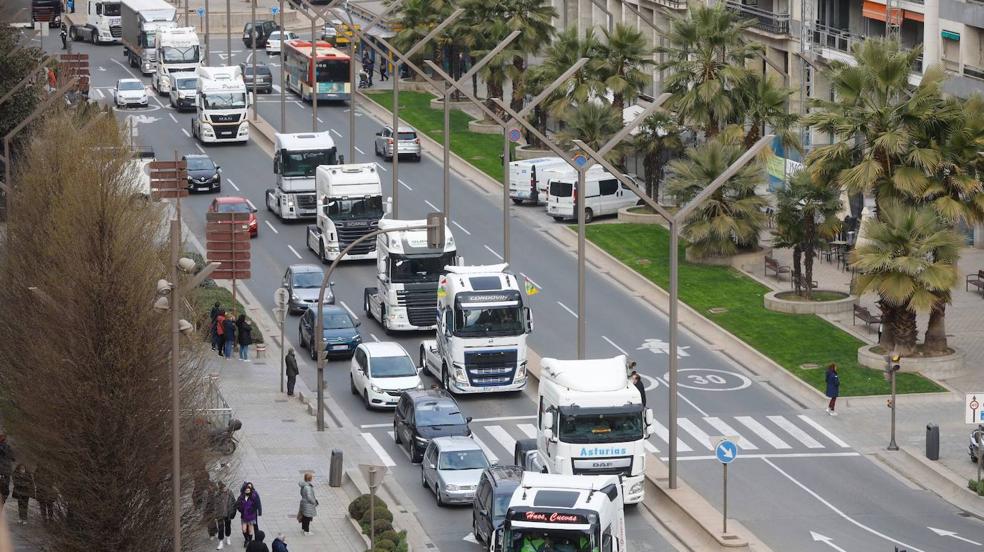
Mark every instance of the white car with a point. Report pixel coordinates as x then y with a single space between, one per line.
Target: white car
275 40
381 372
130 92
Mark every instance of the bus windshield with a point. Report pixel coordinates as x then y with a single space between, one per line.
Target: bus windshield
305 163
188 54
234 100
356 208
333 71
557 540
601 428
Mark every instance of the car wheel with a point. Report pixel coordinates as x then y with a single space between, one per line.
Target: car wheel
352 385
423 357
415 455
300 338
314 350
559 219
423 480
365 400
517 201
365 303
382 321
396 435
437 493
588 215
444 376
321 253
418 158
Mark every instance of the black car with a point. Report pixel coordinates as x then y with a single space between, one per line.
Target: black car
263 28
203 174
422 415
264 78
495 490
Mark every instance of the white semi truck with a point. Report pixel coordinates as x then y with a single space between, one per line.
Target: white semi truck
407 272
350 205
220 103
103 23
562 512
590 421
178 50
296 158
481 331
141 20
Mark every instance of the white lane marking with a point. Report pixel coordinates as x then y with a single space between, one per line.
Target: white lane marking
276 88
502 437
233 184
563 306
358 150
100 93
761 431
319 120
251 206
474 421
404 184
725 429
460 227
125 68
250 56
382 168
528 429
796 432
101 68
762 456
612 343
650 447
346 307
173 118
294 251
200 148
379 450
810 422
431 205
953 535
186 133
158 100
335 132
696 432
488 452
271 227
837 511
685 399
298 104
374 338
492 251
664 434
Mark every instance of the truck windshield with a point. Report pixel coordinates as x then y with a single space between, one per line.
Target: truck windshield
601 428
147 39
305 163
186 54
421 268
234 100
111 9
462 460
557 540
352 209
488 321
392 367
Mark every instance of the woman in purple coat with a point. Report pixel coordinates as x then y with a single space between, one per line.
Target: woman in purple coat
250 509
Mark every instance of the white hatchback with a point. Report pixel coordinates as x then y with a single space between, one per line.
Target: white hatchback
382 371
276 39
130 92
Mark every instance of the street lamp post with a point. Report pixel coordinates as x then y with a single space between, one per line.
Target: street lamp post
890 372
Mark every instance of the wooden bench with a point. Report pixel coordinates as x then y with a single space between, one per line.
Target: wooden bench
793 280
865 315
976 280
773 265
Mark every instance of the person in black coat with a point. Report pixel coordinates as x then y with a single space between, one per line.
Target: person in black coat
229 333
636 380
6 468
291 371
245 332
257 544
833 387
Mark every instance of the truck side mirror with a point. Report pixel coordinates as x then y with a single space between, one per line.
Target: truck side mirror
649 416
529 319
548 434
548 421
250 98
341 159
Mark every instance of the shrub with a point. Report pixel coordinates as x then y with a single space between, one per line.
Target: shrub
382 526
358 507
979 489
381 512
388 535
385 545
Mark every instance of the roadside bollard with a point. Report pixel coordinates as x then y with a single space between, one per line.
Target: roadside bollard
335 469
932 441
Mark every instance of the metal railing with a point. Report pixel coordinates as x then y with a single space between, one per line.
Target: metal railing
672 4
769 21
217 410
836 39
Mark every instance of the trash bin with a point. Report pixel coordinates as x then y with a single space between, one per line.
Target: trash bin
335 469
932 441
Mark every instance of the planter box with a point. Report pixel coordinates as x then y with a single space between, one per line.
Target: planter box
625 215
482 127
938 368
750 258
774 303
528 152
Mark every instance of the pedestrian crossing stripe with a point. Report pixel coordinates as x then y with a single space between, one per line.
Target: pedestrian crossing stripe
796 432
696 433
763 432
725 429
826 433
528 429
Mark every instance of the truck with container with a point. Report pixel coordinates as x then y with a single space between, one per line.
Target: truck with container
102 23
140 21
296 158
407 274
350 205
563 512
590 421
221 102
46 11
178 51
482 326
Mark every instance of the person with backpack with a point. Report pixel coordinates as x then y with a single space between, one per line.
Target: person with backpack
245 332
229 335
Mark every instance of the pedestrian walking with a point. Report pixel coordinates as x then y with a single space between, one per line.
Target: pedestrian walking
223 509
383 68
291 370
245 332
64 37
229 334
636 380
279 544
250 509
6 468
257 545
218 331
369 66
833 388
308 508
44 493
23 491
214 311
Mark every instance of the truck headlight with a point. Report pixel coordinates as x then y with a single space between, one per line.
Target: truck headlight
459 375
244 129
521 371
636 488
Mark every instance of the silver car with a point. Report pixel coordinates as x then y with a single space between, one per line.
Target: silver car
303 283
409 143
452 468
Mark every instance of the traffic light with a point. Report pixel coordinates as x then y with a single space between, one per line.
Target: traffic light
896 361
435 230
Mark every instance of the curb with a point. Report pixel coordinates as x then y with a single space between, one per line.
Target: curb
934 477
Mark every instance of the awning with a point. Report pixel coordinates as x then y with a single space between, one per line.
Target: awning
950 35
914 16
874 10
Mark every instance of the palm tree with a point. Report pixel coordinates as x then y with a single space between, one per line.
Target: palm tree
807 216
585 84
534 19
593 122
418 17
622 59
765 103
909 257
732 217
706 59
658 141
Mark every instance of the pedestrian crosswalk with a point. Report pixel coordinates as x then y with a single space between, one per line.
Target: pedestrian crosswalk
765 434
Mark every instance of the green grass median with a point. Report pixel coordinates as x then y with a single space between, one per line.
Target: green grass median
791 340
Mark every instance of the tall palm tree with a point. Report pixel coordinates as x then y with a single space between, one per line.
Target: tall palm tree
594 123
705 60
807 216
730 219
418 17
534 19
909 258
765 103
585 84
622 59
658 141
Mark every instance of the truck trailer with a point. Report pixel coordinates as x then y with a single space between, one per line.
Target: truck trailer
141 20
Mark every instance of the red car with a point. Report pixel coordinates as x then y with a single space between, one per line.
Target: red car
235 204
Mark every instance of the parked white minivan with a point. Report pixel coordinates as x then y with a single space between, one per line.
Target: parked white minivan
526 178
605 194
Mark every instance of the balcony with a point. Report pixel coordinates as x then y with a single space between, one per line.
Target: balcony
678 5
768 21
832 38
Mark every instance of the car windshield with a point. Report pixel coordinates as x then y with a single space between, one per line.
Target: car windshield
185 54
234 100
233 208
200 164
435 413
337 321
305 163
392 367
307 279
500 504
352 209
130 85
462 460
554 540
499 321
186 84
424 268
333 71
601 428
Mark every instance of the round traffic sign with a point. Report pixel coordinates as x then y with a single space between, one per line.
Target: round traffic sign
274 10
514 135
580 159
200 12
726 451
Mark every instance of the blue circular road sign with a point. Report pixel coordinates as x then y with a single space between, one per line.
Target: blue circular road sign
514 135
580 159
274 10
726 451
201 12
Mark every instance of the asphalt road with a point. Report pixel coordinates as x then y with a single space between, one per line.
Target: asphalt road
796 486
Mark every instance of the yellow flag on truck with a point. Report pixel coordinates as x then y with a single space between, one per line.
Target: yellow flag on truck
531 288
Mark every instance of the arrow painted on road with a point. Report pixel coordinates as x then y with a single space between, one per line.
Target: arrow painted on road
101 68
817 537
953 535
470 537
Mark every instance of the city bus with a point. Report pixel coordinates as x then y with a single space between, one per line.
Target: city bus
332 70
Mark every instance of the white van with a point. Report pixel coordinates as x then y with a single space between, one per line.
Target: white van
526 181
605 194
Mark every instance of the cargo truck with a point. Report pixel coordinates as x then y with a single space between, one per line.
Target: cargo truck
103 23
141 20
296 158
350 205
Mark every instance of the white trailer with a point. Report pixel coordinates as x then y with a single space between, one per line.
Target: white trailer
141 20
296 158
178 50
221 102
350 205
103 23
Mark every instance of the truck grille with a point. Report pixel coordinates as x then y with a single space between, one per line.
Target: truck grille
623 471
349 232
232 118
116 31
421 303
489 368
307 202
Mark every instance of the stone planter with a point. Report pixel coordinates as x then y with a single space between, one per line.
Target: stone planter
528 152
414 86
484 127
774 303
438 104
938 367
750 258
626 215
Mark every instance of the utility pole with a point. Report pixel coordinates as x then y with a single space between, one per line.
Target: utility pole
894 365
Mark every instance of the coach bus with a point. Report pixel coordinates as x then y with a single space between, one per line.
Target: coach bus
331 70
